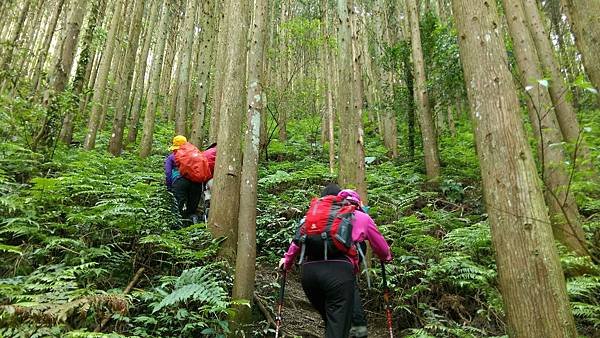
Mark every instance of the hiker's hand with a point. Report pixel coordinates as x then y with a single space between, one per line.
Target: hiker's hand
281 265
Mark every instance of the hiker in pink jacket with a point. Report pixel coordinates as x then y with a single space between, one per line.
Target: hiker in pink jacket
330 284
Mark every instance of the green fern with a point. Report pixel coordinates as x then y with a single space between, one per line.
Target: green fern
587 312
199 285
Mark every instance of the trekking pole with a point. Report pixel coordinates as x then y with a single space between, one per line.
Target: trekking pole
386 299
280 304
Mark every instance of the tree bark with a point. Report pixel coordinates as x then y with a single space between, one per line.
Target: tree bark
584 16
83 71
115 145
217 97
329 71
225 198
243 286
430 147
529 272
283 74
45 49
102 79
14 43
205 64
139 88
184 66
69 46
565 113
62 70
563 209
352 160
157 60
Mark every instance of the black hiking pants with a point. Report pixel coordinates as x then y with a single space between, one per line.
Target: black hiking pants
188 195
358 313
329 286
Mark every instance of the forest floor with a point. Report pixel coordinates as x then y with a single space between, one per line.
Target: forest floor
299 318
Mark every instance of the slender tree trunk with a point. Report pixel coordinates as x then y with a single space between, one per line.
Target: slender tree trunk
138 96
205 62
150 116
558 90
84 67
283 74
217 89
184 66
28 48
563 209
13 43
115 145
62 70
69 46
101 81
529 272
225 198
430 147
243 286
451 123
584 16
352 161
329 71
45 49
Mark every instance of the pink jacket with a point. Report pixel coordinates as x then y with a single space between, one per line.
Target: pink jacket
363 228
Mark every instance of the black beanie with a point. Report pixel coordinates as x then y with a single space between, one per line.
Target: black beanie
331 189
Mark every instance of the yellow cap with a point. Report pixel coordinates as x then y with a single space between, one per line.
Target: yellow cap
178 141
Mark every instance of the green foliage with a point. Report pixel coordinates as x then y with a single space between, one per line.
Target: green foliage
193 304
72 236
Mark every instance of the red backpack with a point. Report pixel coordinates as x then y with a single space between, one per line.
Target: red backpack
193 164
327 229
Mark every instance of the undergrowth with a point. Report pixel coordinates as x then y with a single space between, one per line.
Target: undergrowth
78 226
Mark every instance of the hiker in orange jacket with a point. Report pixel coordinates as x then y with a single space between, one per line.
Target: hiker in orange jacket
187 193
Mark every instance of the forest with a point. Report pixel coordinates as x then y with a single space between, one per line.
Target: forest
470 129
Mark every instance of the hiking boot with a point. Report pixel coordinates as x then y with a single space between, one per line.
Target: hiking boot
195 219
358 332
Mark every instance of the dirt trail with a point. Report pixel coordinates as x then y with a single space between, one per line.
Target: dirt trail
299 317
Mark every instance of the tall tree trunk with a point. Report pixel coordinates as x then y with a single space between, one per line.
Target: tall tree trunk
283 74
169 67
207 47
13 44
157 60
115 144
217 89
102 79
243 286
352 160
62 70
565 113
45 49
563 209
184 66
138 95
69 46
584 16
225 198
84 68
529 272
32 29
329 71
430 147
